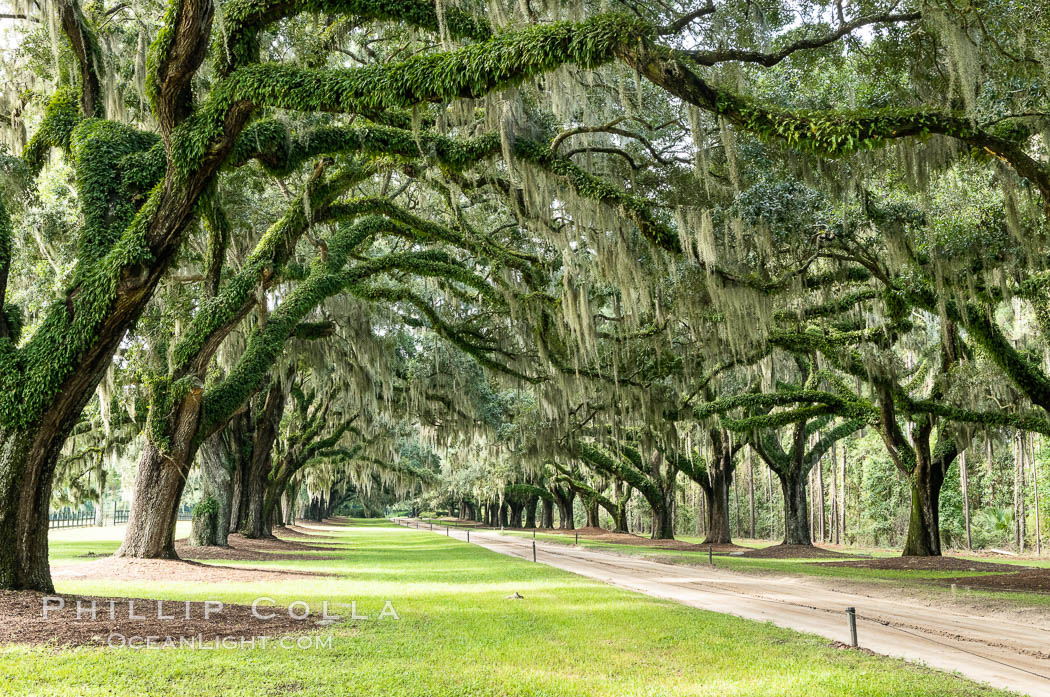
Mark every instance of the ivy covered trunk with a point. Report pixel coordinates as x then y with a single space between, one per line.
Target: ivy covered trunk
924 527
204 530
159 484
796 509
217 463
25 498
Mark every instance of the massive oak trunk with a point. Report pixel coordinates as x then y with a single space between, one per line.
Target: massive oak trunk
28 454
564 498
254 521
619 512
547 515
159 484
530 512
218 462
275 500
516 509
25 497
796 509
255 515
720 473
663 516
924 526
591 508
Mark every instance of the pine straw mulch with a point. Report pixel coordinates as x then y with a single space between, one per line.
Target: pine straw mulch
925 564
603 535
22 621
174 571
1029 580
241 548
796 552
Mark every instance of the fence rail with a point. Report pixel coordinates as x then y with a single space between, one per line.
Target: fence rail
67 518
70 519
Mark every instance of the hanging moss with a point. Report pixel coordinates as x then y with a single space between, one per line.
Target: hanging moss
327 277
265 265
590 187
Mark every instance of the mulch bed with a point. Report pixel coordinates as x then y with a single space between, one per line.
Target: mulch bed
22 620
795 552
1029 580
241 548
925 564
168 570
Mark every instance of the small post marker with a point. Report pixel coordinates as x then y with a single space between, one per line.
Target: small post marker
431 526
468 534
577 538
851 615
447 533
710 555
534 550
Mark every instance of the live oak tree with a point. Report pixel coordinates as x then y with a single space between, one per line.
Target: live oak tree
141 187
809 438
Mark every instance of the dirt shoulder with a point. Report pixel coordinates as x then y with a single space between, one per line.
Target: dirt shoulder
171 571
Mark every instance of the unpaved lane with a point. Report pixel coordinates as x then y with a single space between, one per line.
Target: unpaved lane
999 652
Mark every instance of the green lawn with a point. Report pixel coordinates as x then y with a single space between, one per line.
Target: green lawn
459 636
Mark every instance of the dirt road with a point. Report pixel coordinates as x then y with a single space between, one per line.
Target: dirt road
1003 653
